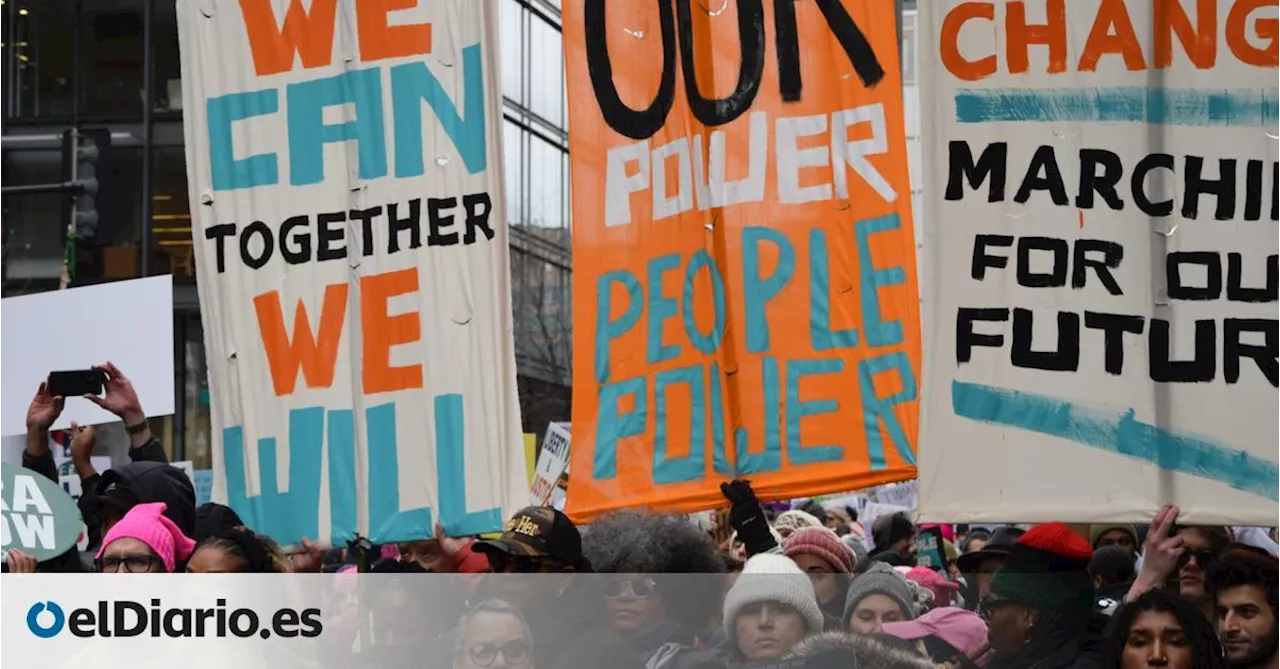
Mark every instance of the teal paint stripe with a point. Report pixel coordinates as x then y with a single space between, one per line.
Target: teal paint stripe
1134 104
1117 431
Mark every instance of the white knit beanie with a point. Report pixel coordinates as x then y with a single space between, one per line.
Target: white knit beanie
771 578
796 519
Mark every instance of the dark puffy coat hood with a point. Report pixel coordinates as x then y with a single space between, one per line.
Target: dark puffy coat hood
147 482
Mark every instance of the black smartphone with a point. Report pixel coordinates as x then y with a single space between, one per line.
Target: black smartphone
75 383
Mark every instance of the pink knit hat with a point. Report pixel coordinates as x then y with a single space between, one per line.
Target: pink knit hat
146 523
941 588
821 542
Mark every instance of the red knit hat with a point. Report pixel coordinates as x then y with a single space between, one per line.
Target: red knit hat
1048 570
1058 539
821 542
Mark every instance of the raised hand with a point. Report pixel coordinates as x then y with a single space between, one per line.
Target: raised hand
44 410
21 563
118 397
83 437
310 559
1160 553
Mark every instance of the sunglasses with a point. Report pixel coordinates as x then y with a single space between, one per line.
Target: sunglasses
484 654
1203 558
132 564
640 588
989 607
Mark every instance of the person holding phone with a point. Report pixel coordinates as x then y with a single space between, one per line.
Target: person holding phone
108 496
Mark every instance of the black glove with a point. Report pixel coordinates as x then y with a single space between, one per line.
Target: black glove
747 517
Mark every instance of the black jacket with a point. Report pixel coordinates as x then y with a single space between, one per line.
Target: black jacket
148 478
145 459
578 634
1079 652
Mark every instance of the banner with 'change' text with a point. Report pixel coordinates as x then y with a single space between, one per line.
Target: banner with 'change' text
1101 212
346 182
744 278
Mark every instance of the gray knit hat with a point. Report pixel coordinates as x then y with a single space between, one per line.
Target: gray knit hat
855 546
880 579
771 578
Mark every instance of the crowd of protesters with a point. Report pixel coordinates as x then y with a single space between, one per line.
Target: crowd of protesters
803 587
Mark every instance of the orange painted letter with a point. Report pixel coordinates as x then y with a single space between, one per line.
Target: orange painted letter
381 331
1112 33
1200 43
1267 29
379 39
315 355
310 36
1019 36
957 64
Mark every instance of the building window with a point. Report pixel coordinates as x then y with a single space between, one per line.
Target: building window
536 141
35 225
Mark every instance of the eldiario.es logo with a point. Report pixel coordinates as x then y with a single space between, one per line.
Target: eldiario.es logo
123 618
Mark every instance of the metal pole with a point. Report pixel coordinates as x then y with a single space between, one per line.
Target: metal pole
11 61
897 11
180 382
35 189
77 62
148 130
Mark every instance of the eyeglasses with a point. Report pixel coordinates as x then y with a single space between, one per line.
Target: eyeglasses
640 588
1203 558
989 607
132 564
502 563
484 654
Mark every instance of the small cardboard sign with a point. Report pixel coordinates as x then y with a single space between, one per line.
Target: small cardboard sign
929 549
552 463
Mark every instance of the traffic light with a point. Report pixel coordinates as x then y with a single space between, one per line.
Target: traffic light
85 155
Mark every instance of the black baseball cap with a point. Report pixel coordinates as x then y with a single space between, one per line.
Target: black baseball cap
537 531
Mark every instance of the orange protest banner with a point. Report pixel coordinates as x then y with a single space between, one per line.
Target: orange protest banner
745 299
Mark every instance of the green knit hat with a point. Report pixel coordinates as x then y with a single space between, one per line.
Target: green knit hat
1048 569
1096 531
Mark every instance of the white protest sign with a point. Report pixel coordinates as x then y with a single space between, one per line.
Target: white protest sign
1102 233
898 494
129 323
352 251
872 511
552 462
66 467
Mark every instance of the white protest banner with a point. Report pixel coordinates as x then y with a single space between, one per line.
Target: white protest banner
346 174
36 516
868 514
129 323
1102 226
898 494
552 462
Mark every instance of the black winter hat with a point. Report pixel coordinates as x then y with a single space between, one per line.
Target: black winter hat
889 530
213 518
145 482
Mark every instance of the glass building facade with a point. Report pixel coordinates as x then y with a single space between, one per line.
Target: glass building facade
114 64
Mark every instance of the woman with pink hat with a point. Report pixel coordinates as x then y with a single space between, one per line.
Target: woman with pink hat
144 541
952 637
